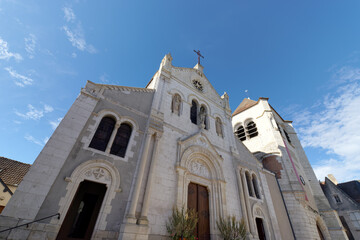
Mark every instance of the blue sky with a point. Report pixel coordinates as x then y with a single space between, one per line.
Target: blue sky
303 55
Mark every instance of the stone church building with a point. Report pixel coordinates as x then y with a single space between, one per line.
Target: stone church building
123 157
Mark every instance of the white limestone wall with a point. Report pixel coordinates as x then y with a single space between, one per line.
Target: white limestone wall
36 184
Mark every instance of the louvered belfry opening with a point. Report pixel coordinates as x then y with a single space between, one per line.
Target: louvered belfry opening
121 140
193 112
240 133
251 129
103 134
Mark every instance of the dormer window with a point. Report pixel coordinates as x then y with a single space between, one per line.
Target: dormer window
337 198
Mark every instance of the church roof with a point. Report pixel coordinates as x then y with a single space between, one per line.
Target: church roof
12 172
245 104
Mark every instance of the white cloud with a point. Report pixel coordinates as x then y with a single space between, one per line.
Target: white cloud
69 14
30 44
73 55
20 80
33 113
75 32
55 123
46 140
34 140
77 39
104 78
17 122
4 51
334 126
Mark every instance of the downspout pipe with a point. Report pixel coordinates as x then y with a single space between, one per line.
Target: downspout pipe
287 212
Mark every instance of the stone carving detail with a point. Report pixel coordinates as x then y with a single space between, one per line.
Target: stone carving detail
176 104
99 174
258 212
199 168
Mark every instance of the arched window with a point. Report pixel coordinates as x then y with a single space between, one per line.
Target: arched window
248 181
251 129
218 125
176 104
203 116
256 187
103 134
193 112
121 140
240 133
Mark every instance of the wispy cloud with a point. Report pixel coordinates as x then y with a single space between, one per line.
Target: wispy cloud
34 113
5 53
36 141
55 124
19 80
334 126
104 78
69 14
30 44
75 32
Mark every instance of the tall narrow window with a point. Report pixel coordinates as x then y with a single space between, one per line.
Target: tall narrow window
248 181
240 133
218 125
251 129
256 187
103 134
193 112
121 140
287 136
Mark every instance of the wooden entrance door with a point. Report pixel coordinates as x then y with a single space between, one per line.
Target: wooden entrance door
81 217
260 229
198 199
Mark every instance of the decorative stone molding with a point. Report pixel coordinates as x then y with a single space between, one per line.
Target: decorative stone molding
198 168
100 171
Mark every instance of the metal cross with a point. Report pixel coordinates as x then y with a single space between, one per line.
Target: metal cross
199 55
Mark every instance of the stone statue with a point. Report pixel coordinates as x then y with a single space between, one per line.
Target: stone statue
176 104
202 117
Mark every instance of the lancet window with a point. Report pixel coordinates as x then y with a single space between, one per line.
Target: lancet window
103 134
193 112
248 182
121 140
256 187
102 139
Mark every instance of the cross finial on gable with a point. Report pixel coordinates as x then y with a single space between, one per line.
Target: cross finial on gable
199 55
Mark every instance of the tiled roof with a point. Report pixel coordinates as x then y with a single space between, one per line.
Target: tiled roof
245 104
12 172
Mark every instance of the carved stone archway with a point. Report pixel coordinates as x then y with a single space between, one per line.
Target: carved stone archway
100 171
199 165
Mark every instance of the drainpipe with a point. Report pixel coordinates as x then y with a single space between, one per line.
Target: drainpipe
287 213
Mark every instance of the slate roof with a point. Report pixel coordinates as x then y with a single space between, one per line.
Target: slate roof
12 172
245 104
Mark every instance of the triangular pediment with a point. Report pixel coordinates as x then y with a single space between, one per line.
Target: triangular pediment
198 139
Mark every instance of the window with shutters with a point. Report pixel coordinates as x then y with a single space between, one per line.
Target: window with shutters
193 112
240 133
103 134
121 140
251 129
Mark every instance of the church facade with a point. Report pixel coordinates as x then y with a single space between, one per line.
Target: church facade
123 157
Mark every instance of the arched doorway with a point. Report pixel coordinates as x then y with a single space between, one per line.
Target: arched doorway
81 217
260 228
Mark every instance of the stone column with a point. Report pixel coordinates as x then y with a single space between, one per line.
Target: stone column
112 137
247 203
144 211
131 216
